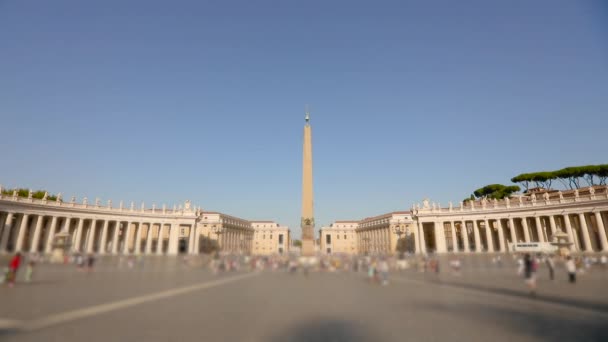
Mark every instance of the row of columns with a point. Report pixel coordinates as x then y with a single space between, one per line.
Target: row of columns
375 240
35 233
236 240
579 236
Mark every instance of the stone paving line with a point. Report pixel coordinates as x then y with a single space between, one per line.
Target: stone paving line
524 298
94 310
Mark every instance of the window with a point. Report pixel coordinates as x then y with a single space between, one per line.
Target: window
280 238
344 236
264 236
338 236
270 236
328 239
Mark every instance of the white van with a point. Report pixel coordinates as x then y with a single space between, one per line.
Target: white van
533 247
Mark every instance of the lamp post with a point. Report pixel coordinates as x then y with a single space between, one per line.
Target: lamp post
218 231
399 230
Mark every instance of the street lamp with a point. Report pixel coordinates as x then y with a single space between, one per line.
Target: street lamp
218 231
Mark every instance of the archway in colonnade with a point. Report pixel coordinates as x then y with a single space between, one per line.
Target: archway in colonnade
504 225
459 227
428 231
594 233
494 227
28 234
483 238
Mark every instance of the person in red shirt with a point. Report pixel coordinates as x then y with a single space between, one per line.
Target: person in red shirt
13 267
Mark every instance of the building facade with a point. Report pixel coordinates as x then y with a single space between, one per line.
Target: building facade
493 226
270 238
379 234
30 225
233 234
339 238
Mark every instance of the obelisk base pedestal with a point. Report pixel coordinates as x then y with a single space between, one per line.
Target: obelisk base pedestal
308 248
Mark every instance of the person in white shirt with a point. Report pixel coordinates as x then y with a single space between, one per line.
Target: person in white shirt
571 268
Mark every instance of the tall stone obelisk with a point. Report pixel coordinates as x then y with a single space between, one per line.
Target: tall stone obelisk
307 222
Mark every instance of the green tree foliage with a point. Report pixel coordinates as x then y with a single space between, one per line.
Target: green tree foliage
524 179
208 245
297 243
602 173
21 192
496 191
570 177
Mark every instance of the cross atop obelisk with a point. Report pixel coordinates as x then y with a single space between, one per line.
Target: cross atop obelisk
308 218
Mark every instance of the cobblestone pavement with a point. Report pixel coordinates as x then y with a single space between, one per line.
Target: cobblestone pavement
166 300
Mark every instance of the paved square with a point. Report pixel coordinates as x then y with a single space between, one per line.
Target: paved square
165 300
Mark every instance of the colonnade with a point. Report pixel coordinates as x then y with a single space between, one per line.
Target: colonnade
29 225
374 240
236 240
32 233
483 227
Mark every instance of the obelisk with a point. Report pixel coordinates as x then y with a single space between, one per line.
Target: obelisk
307 222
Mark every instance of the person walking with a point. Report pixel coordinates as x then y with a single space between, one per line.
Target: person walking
13 267
530 273
29 270
571 269
551 266
383 270
90 263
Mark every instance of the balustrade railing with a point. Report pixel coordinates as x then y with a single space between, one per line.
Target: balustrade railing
96 207
538 200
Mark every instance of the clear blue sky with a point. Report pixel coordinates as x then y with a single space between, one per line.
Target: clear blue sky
171 100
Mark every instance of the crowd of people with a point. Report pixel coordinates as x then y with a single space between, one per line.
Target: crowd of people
376 268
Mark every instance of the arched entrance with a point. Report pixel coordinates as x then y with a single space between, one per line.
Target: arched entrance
182 246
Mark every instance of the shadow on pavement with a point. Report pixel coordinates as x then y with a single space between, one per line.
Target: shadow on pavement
326 330
524 294
544 326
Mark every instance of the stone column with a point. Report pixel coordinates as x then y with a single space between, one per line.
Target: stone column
125 248
191 240
440 237
8 225
149 239
115 238
513 231
36 238
137 246
78 237
103 239
489 238
91 239
465 236
476 235
501 235
586 239
454 239
50 235
553 227
2 222
524 225
422 239
539 229
173 237
602 231
570 233
159 241
23 227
